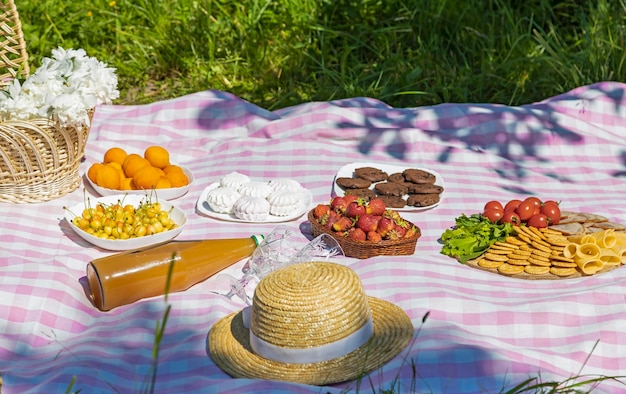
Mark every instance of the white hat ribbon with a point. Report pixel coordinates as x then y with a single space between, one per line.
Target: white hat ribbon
316 354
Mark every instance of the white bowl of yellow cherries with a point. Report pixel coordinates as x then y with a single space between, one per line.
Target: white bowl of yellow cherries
125 222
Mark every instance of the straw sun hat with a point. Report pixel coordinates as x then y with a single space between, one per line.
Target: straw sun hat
310 323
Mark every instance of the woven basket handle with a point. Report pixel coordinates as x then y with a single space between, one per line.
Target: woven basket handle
13 55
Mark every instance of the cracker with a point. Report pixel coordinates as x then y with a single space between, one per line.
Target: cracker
524 237
560 271
543 263
506 245
512 240
564 264
518 261
562 258
541 253
536 270
495 257
540 246
536 231
519 254
508 269
557 241
489 263
498 251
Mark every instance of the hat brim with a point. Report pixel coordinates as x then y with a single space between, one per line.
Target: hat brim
229 346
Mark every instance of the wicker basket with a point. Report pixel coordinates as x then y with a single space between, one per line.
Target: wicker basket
39 160
365 249
13 55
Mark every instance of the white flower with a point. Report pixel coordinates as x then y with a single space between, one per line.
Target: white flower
64 88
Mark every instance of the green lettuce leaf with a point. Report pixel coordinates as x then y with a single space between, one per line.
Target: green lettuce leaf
471 236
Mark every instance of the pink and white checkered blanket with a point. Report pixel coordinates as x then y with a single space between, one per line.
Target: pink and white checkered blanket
484 333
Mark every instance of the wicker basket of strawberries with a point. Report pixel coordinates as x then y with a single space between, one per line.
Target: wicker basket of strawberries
364 229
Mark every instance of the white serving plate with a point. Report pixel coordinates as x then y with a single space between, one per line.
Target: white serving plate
203 207
167 194
347 171
176 214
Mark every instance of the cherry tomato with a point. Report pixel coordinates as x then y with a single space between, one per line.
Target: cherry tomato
511 217
538 220
512 205
536 203
525 210
493 204
493 214
552 211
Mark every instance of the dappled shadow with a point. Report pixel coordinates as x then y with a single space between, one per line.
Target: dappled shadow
515 134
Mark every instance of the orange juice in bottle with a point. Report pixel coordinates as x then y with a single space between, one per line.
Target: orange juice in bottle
126 277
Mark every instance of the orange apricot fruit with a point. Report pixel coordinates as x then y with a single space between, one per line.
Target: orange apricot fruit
115 155
158 156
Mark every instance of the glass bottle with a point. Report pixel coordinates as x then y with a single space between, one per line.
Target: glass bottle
126 277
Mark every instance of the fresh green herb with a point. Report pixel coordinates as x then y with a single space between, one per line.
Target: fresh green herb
472 235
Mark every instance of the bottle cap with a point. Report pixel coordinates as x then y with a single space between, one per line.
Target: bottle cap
258 238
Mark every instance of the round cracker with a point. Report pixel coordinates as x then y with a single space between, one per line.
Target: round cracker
560 271
536 270
485 263
508 269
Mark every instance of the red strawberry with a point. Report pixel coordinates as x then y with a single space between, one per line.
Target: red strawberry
373 236
410 232
338 204
350 198
357 234
385 224
343 223
376 206
368 222
321 210
355 209
330 220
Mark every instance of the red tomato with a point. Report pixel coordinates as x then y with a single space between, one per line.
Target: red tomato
512 205
493 214
525 210
493 204
511 217
552 211
536 202
538 220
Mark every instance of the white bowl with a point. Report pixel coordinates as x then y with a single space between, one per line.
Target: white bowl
167 194
176 214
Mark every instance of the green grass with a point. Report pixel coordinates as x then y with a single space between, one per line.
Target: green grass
285 52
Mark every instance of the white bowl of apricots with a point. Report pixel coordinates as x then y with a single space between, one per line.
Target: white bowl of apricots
148 172
125 222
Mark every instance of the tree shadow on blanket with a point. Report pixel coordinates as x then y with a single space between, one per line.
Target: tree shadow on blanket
517 135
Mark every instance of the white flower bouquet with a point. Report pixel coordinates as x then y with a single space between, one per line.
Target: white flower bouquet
65 88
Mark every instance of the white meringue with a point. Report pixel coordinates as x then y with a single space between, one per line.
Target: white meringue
222 199
283 202
285 184
251 208
255 189
234 180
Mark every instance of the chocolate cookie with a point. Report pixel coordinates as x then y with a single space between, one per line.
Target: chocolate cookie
390 189
414 175
393 201
422 200
396 177
353 183
424 188
371 174
365 194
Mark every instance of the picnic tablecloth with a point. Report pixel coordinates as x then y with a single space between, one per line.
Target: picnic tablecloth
484 332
